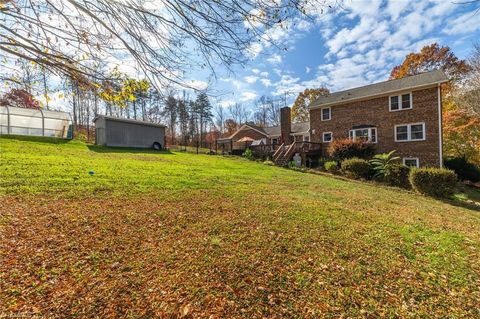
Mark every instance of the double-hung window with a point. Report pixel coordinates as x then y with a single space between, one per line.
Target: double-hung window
410 132
401 102
326 113
368 134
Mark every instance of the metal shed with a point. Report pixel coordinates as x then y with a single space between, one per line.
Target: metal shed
121 132
35 122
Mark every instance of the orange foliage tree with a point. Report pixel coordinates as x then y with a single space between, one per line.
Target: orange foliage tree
300 106
431 57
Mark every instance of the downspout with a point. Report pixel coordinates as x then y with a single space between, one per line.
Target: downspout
440 126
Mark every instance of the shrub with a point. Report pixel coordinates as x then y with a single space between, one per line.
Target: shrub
465 170
397 175
331 167
347 148
356 168
248 154
381 164
437 182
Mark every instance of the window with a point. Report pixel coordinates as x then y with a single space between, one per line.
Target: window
326 114
401 102
410 132
327 137
411 161
274 140
306 138
369 134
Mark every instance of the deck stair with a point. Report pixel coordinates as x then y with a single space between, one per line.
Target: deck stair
283 155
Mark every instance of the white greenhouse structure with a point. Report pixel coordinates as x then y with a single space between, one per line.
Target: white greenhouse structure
35 122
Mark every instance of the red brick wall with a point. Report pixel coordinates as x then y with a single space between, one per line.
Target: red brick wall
246 132
376 112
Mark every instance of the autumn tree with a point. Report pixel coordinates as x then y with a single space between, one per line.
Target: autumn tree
431 57
19 98
300 108
230 127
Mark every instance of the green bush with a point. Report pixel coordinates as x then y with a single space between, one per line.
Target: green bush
381 164
342 149
248 154
465 170
331 167
397 175
356 168
437 182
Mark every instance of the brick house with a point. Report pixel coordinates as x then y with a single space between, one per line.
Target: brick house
403 115
255 137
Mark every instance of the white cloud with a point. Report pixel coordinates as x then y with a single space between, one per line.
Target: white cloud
304 25
264 74
466 23
255 71
266 82
307 70
248 96
251 79
274 59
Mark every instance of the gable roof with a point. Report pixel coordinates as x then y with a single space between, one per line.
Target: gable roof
272 131
382 88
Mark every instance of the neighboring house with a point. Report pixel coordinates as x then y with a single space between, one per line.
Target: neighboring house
403 115
249 135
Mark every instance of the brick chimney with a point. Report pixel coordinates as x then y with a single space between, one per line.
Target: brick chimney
285 125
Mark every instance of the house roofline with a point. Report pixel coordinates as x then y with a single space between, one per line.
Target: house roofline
246 125
368 97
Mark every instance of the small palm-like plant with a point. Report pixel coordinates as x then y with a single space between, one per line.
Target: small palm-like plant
382 163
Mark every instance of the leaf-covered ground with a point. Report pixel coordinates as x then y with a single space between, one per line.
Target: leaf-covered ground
172 235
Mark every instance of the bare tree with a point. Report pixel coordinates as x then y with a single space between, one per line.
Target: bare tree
220 117
467 94
64 35
239 113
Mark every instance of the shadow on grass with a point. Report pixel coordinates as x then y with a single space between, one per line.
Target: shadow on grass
469 198
37 139
110 149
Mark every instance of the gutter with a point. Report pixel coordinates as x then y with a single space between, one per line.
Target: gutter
386 93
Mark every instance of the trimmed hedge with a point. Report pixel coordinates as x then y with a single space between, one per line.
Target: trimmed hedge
356 168
397 175
343 149
331 167
465 170
437 182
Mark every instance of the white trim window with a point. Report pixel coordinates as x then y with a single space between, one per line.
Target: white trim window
411 161
327 137
400 102
410 132
326 113
306 138
369 134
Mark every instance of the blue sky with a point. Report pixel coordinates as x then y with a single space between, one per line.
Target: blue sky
353 46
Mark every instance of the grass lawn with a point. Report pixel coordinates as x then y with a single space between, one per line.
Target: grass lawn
172 235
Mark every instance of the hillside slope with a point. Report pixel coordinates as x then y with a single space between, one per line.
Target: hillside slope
174 234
